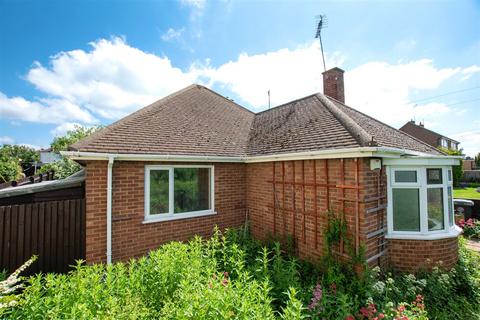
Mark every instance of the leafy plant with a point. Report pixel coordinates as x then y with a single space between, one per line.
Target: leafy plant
471 228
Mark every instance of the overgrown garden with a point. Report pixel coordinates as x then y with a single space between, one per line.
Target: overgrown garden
232 276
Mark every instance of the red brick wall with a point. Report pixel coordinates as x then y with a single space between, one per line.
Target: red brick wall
412 255
132 238
239 187
309 244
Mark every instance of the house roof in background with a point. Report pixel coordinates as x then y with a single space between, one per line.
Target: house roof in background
198 121
424 134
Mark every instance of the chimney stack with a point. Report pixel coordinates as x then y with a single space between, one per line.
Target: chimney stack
333 84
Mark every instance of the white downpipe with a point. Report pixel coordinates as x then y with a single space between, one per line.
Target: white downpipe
109 209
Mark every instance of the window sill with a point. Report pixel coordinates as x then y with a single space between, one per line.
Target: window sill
179 216
452 233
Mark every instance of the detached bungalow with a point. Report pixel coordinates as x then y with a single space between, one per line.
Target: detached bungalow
196 159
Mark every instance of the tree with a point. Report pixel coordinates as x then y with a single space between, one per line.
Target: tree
66 167
14 160
477 160
457 170
72 136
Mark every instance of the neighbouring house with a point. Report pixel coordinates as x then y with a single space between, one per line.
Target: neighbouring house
428 136
469 164
196 159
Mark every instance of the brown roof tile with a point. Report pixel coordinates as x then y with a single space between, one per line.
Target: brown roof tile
198 121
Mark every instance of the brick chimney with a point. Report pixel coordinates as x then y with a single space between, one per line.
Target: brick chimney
333 84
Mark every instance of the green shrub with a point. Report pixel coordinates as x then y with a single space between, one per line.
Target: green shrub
233 276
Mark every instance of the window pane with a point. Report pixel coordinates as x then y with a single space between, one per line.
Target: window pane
449 175
434 176
406 210
435 208
191 189
405 176
158 191
450 206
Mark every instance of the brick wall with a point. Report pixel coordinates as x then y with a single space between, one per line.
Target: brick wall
132 238
412 255
280 223
239 187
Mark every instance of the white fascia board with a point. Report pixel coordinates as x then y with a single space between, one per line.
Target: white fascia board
422 161
390 154
322 154
78 155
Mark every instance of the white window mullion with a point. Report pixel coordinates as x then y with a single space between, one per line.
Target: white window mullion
423 202
170 191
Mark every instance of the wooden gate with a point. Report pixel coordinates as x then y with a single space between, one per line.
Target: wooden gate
52 230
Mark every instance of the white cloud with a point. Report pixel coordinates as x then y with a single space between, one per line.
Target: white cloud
288 74
46 110
199 4
382 90
469 71
469 141
172 34
6 140
111 80
64 128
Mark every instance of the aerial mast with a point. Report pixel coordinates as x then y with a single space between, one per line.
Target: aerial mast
321 24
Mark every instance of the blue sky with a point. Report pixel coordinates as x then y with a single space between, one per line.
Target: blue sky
91 62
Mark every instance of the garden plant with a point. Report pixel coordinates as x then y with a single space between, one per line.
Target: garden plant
232 276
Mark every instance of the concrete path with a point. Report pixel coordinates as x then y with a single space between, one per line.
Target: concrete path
474 245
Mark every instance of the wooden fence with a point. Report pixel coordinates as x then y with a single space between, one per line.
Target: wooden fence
52 230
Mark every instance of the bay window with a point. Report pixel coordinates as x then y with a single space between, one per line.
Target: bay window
420 202
179 191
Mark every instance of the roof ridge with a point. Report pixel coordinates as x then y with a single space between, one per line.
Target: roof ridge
218 94
434 132
286 103
359 134
385 124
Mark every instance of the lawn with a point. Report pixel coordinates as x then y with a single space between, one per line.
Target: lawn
232 276
466 193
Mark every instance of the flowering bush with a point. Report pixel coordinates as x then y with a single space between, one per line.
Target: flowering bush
471 228
403 311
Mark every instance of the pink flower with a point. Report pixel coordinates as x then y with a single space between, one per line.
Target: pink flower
333 287
381 316
350 318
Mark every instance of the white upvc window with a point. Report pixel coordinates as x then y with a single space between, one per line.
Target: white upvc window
178 192
420 202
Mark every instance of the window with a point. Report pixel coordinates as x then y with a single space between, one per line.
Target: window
175 192
443 143
420 200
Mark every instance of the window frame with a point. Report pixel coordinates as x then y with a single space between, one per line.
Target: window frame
170 215
423 187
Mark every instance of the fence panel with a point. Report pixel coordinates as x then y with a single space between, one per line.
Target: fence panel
53 230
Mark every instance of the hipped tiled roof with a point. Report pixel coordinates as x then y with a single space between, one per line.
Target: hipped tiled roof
198 121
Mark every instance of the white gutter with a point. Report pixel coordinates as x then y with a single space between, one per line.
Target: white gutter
109 209
381 152
78 155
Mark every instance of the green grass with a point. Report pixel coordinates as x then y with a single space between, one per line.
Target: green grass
466 193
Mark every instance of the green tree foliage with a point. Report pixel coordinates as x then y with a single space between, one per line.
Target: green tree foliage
72 136
477 160
457 170
14 159
66 167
